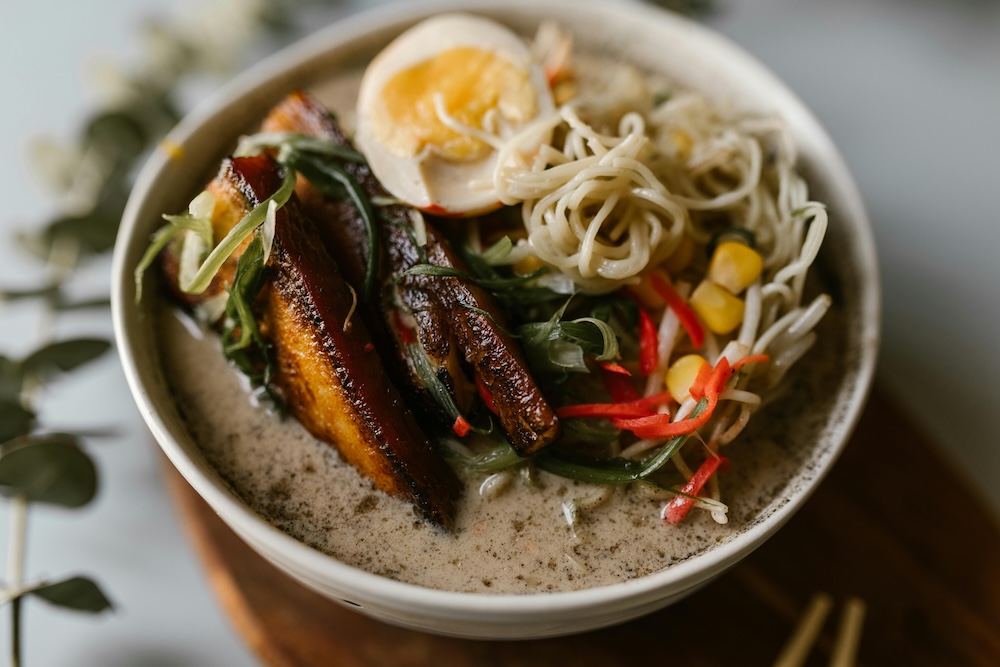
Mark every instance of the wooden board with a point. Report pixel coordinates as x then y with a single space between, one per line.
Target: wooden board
893 524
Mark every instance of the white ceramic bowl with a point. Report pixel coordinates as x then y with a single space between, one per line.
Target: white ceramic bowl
693 55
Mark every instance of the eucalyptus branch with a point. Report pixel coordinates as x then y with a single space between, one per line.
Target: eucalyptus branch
91 180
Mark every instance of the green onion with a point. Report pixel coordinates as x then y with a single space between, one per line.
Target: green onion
589 469
561 346
247 283
673 445
237 235
490 461
197 219
589 431
497 252
249 352
493 284
291 141
430 380
334 181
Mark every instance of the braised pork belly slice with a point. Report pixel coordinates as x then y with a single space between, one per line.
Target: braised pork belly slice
326 368
456 322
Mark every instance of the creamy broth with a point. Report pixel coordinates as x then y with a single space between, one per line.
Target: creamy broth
515 542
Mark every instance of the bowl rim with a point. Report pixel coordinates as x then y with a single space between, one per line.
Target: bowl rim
450 603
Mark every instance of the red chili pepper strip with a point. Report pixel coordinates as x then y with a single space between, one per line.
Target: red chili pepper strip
642 407
619 386
461 427
485 395
649 352
755 359
660 426
613 368
678 508
680 307
697 390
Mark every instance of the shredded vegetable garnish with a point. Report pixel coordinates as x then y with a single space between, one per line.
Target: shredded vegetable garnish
681 308
336 182
677 509
236 236
285 142
242 342
197 220
649 265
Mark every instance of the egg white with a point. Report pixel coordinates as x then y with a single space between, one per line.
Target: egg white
429 180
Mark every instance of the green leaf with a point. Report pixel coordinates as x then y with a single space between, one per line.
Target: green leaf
65 356
48 469
332 179
11 380
560 346
492 284
239 233
76 593
116 134
53 295
491 460
48 292
95 232
83 304
15 421
288 143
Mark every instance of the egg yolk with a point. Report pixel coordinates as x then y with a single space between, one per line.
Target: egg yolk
471 83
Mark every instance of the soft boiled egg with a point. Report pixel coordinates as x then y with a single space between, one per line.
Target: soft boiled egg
435 104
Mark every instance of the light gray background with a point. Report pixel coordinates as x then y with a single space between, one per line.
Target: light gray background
909 89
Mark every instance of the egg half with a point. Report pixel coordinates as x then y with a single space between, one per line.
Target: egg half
434 105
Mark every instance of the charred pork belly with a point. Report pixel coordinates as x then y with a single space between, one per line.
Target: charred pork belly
454 321
326 368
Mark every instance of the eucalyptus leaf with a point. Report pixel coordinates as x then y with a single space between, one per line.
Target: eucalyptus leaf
116 134
65 356
48 469
83 304
47 292
76 593
95 233
11 380
15 421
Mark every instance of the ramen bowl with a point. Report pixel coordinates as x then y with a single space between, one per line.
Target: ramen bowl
693 56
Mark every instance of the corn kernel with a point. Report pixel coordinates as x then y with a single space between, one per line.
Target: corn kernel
717 307
681 376
529 264
643 291
735 266
680 257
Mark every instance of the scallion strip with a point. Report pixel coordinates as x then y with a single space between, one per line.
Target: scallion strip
490 461
197 219
328 177
430 380
497 252
160 240
499 284
237 235
292 141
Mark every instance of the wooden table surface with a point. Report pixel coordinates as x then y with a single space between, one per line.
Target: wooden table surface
893 524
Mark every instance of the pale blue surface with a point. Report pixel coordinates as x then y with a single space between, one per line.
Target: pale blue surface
909 90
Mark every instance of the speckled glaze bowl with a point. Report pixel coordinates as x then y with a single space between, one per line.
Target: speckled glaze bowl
692 55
